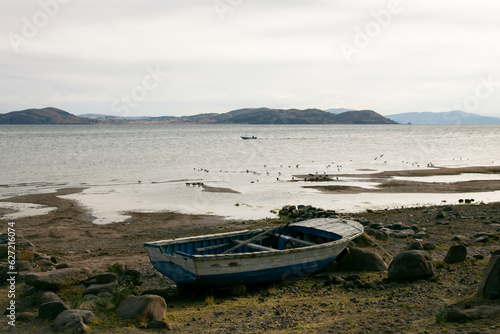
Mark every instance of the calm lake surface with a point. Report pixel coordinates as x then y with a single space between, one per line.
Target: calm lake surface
146 167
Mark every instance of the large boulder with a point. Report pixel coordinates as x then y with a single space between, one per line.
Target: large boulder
144 308
74 320
410 265
50 306
490 284
55 279
357 259
47 297
456 253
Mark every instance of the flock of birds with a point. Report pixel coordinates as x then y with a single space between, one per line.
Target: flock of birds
315 176
280 175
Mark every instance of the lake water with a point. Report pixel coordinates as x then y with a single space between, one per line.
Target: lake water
146 167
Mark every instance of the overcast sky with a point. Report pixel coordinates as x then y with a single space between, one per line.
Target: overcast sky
179 57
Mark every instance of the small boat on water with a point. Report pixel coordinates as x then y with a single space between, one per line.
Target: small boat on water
249 257
253 137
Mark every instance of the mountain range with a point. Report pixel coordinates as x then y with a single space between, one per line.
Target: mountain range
441 118
241 116
52 115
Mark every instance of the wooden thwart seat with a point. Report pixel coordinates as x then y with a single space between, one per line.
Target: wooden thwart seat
255 246
203 249
295 240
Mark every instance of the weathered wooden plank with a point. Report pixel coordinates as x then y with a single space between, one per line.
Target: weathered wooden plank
299 241
207 248
255 246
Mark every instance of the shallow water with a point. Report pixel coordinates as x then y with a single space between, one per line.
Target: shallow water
146 167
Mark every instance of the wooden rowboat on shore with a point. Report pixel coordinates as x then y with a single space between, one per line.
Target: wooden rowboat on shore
249 257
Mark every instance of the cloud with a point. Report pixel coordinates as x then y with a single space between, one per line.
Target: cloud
248 53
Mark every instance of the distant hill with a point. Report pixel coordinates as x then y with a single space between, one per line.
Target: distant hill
259 116
443 118
288 116
240 116
42 116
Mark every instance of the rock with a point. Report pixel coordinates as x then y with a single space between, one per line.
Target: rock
53 280
456 253
363 222
459 238
490 283
157 324
402 234
22 266
429 246
357 259
458 315
484 234
415 245
238 290
482 239
25 316
47 297
335 280
358 284
440 215
63 265
410 265
396 226
382 235
51 310
144 308
106 277
108 295
363 241
44 263
352 277
420 235
95 289
23 243
74 320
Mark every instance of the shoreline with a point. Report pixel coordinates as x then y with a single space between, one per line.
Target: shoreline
68 234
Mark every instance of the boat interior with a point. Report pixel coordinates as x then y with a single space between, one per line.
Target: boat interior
268 240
